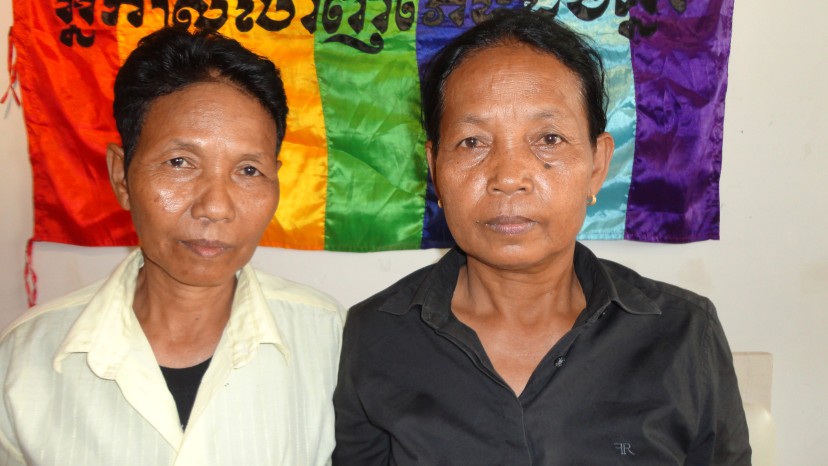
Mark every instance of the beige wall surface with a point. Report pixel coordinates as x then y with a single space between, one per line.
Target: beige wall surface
768 275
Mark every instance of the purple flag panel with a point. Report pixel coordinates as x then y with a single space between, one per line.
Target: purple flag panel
680 50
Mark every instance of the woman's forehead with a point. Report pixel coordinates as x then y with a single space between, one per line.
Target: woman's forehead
509 55
208 113
514 78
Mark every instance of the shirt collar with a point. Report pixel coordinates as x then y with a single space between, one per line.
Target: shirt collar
600 285
251 322
433 293
107 329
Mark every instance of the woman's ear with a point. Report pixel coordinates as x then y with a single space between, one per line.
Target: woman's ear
117 174
432 166
601 157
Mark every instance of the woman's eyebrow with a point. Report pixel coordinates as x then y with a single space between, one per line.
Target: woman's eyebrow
253 155
547 115
470 119
182 144
540 115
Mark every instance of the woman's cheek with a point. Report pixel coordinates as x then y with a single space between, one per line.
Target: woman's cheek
171 198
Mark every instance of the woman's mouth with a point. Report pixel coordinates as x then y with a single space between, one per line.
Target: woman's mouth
510 224
206 248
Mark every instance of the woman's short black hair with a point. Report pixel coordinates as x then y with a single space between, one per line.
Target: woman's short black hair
171 59
535 29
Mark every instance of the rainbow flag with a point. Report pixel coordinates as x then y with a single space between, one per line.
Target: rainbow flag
354 176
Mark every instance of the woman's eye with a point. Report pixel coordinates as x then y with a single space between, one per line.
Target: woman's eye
250 171
177 162
547 147
470 143
551 139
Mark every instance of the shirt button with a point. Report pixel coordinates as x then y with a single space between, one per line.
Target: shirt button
559 362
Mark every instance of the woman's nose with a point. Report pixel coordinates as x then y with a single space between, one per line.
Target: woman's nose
510 169
214 201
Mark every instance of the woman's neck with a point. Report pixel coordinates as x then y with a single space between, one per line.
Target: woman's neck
182 323
518 316
544 293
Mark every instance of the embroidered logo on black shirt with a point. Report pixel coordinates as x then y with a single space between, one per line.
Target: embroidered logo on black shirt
623 448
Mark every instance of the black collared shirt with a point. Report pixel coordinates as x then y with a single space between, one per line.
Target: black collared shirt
645 376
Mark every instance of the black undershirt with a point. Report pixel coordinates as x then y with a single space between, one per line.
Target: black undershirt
183 384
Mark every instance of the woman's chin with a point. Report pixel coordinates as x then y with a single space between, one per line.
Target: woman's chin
506 260
208 279
519 257
193 273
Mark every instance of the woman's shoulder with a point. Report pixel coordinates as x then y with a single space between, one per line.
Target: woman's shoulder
395 299
662 294
280 289
54 314
675 313
33 339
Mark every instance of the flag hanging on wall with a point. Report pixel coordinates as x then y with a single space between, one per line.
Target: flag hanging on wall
354 175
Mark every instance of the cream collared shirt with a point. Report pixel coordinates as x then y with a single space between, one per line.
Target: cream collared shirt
81 386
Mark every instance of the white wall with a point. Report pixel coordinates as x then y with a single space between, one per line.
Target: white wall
768 275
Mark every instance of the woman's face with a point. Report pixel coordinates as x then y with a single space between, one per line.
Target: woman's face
515 165
202 185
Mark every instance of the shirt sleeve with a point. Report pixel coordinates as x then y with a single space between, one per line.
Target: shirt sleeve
358 441
10 453
723 433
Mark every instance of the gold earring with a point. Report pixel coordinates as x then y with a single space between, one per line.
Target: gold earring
592 200
439 203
